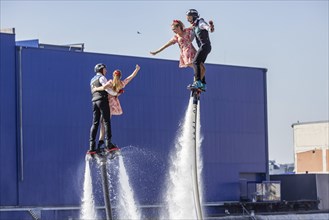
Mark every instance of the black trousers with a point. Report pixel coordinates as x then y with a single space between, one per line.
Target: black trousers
200 57
100 108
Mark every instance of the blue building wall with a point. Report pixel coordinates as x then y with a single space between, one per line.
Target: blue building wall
8 128
47 168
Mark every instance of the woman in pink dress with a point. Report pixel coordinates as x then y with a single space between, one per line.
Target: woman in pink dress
117 85
184 37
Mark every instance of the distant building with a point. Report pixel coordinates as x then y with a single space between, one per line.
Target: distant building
275 168
311 147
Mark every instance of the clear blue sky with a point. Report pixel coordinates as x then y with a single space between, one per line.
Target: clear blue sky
289 38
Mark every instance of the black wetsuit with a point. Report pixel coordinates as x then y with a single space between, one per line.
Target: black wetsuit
203 41
100 106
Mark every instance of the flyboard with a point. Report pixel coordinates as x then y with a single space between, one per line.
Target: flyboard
101 156
105 153
195 93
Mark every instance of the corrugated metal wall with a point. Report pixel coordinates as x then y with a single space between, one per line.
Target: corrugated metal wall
8 128
56 118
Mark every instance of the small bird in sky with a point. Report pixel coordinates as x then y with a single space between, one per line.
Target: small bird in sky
139 32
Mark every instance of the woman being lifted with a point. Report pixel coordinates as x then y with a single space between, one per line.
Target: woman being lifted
117 85
184 37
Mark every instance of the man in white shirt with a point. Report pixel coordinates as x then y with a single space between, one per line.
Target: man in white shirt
101 107
201 31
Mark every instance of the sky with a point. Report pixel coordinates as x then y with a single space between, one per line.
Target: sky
288 38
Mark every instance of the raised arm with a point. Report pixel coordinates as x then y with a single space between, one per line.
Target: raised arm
212 26
134 73
169 43
205 26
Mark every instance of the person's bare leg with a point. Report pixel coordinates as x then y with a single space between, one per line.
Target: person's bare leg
192 66
101 131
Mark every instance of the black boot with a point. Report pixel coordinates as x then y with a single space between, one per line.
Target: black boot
110 146
92 146
113 149
100 143
92 151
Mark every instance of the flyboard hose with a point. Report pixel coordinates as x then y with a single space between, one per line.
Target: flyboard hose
106 192
196 191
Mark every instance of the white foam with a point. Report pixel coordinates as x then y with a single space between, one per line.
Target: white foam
126 205
88 211
179 191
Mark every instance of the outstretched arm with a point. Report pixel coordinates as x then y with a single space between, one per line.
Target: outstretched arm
134 73
101 88
97 89
169 43
106 86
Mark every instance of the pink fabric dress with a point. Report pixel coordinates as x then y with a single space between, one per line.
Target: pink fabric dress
114 102
187 50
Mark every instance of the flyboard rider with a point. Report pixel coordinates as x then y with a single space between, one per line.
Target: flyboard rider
201 30
100 105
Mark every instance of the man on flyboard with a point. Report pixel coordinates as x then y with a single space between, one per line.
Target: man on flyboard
101 107
201 30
